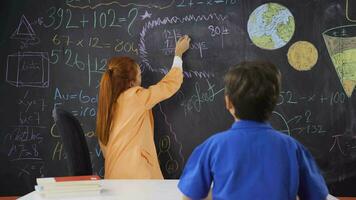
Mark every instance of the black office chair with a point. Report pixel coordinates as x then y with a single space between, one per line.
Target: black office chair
74 143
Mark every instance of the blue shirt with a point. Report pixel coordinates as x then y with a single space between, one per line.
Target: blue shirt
251 160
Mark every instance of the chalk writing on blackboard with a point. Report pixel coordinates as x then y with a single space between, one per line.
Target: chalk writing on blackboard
26 102
24 139
35 169
194 3
347 10
200 96
87 105
76 61
170 37
336 144
95 42
83 4
59 18
281 123
298 124
344 144
333 98
28 69
146 15
172 165
25 33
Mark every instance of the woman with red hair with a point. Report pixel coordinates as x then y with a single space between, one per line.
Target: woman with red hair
124 124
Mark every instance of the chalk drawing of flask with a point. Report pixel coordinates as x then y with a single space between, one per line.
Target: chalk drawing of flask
341 45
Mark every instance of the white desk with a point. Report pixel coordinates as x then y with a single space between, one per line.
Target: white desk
129 190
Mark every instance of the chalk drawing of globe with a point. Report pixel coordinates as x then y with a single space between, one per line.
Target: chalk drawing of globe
271 26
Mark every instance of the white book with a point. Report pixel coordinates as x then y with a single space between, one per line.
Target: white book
68 181
69 194
49 188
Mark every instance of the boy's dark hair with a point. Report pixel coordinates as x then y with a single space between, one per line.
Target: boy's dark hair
253 89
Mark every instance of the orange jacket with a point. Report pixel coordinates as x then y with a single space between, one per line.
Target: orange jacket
131 152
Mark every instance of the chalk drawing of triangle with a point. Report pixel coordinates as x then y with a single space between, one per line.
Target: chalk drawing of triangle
24 30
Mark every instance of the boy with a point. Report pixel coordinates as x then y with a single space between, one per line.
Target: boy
251 160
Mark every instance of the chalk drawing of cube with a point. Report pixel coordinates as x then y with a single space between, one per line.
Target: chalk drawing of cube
28 69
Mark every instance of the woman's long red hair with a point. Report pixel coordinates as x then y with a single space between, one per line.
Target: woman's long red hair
119 76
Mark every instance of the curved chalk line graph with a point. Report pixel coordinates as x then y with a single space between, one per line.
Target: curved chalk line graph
287 130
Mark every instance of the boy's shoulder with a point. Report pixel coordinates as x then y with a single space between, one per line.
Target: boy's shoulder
214 139
219 136
286 137
219 139
229 135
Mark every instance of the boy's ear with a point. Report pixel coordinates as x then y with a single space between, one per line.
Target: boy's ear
228 103
230 107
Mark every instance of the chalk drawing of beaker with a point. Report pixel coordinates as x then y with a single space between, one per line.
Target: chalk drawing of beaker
341 44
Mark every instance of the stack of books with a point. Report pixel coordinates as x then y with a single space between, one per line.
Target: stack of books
70 186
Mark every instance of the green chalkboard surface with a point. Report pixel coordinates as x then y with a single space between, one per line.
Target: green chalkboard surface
53 53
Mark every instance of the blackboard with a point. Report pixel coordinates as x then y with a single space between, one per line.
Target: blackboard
53 53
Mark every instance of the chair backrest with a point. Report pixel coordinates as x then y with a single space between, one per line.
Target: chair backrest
74 143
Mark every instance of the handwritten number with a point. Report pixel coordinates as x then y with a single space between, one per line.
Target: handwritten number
69 52
69 19
307 115
55 54
104 62
80 64
52 11
134 12
102 20
290 99
94 42
60 14
112 24
181 4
